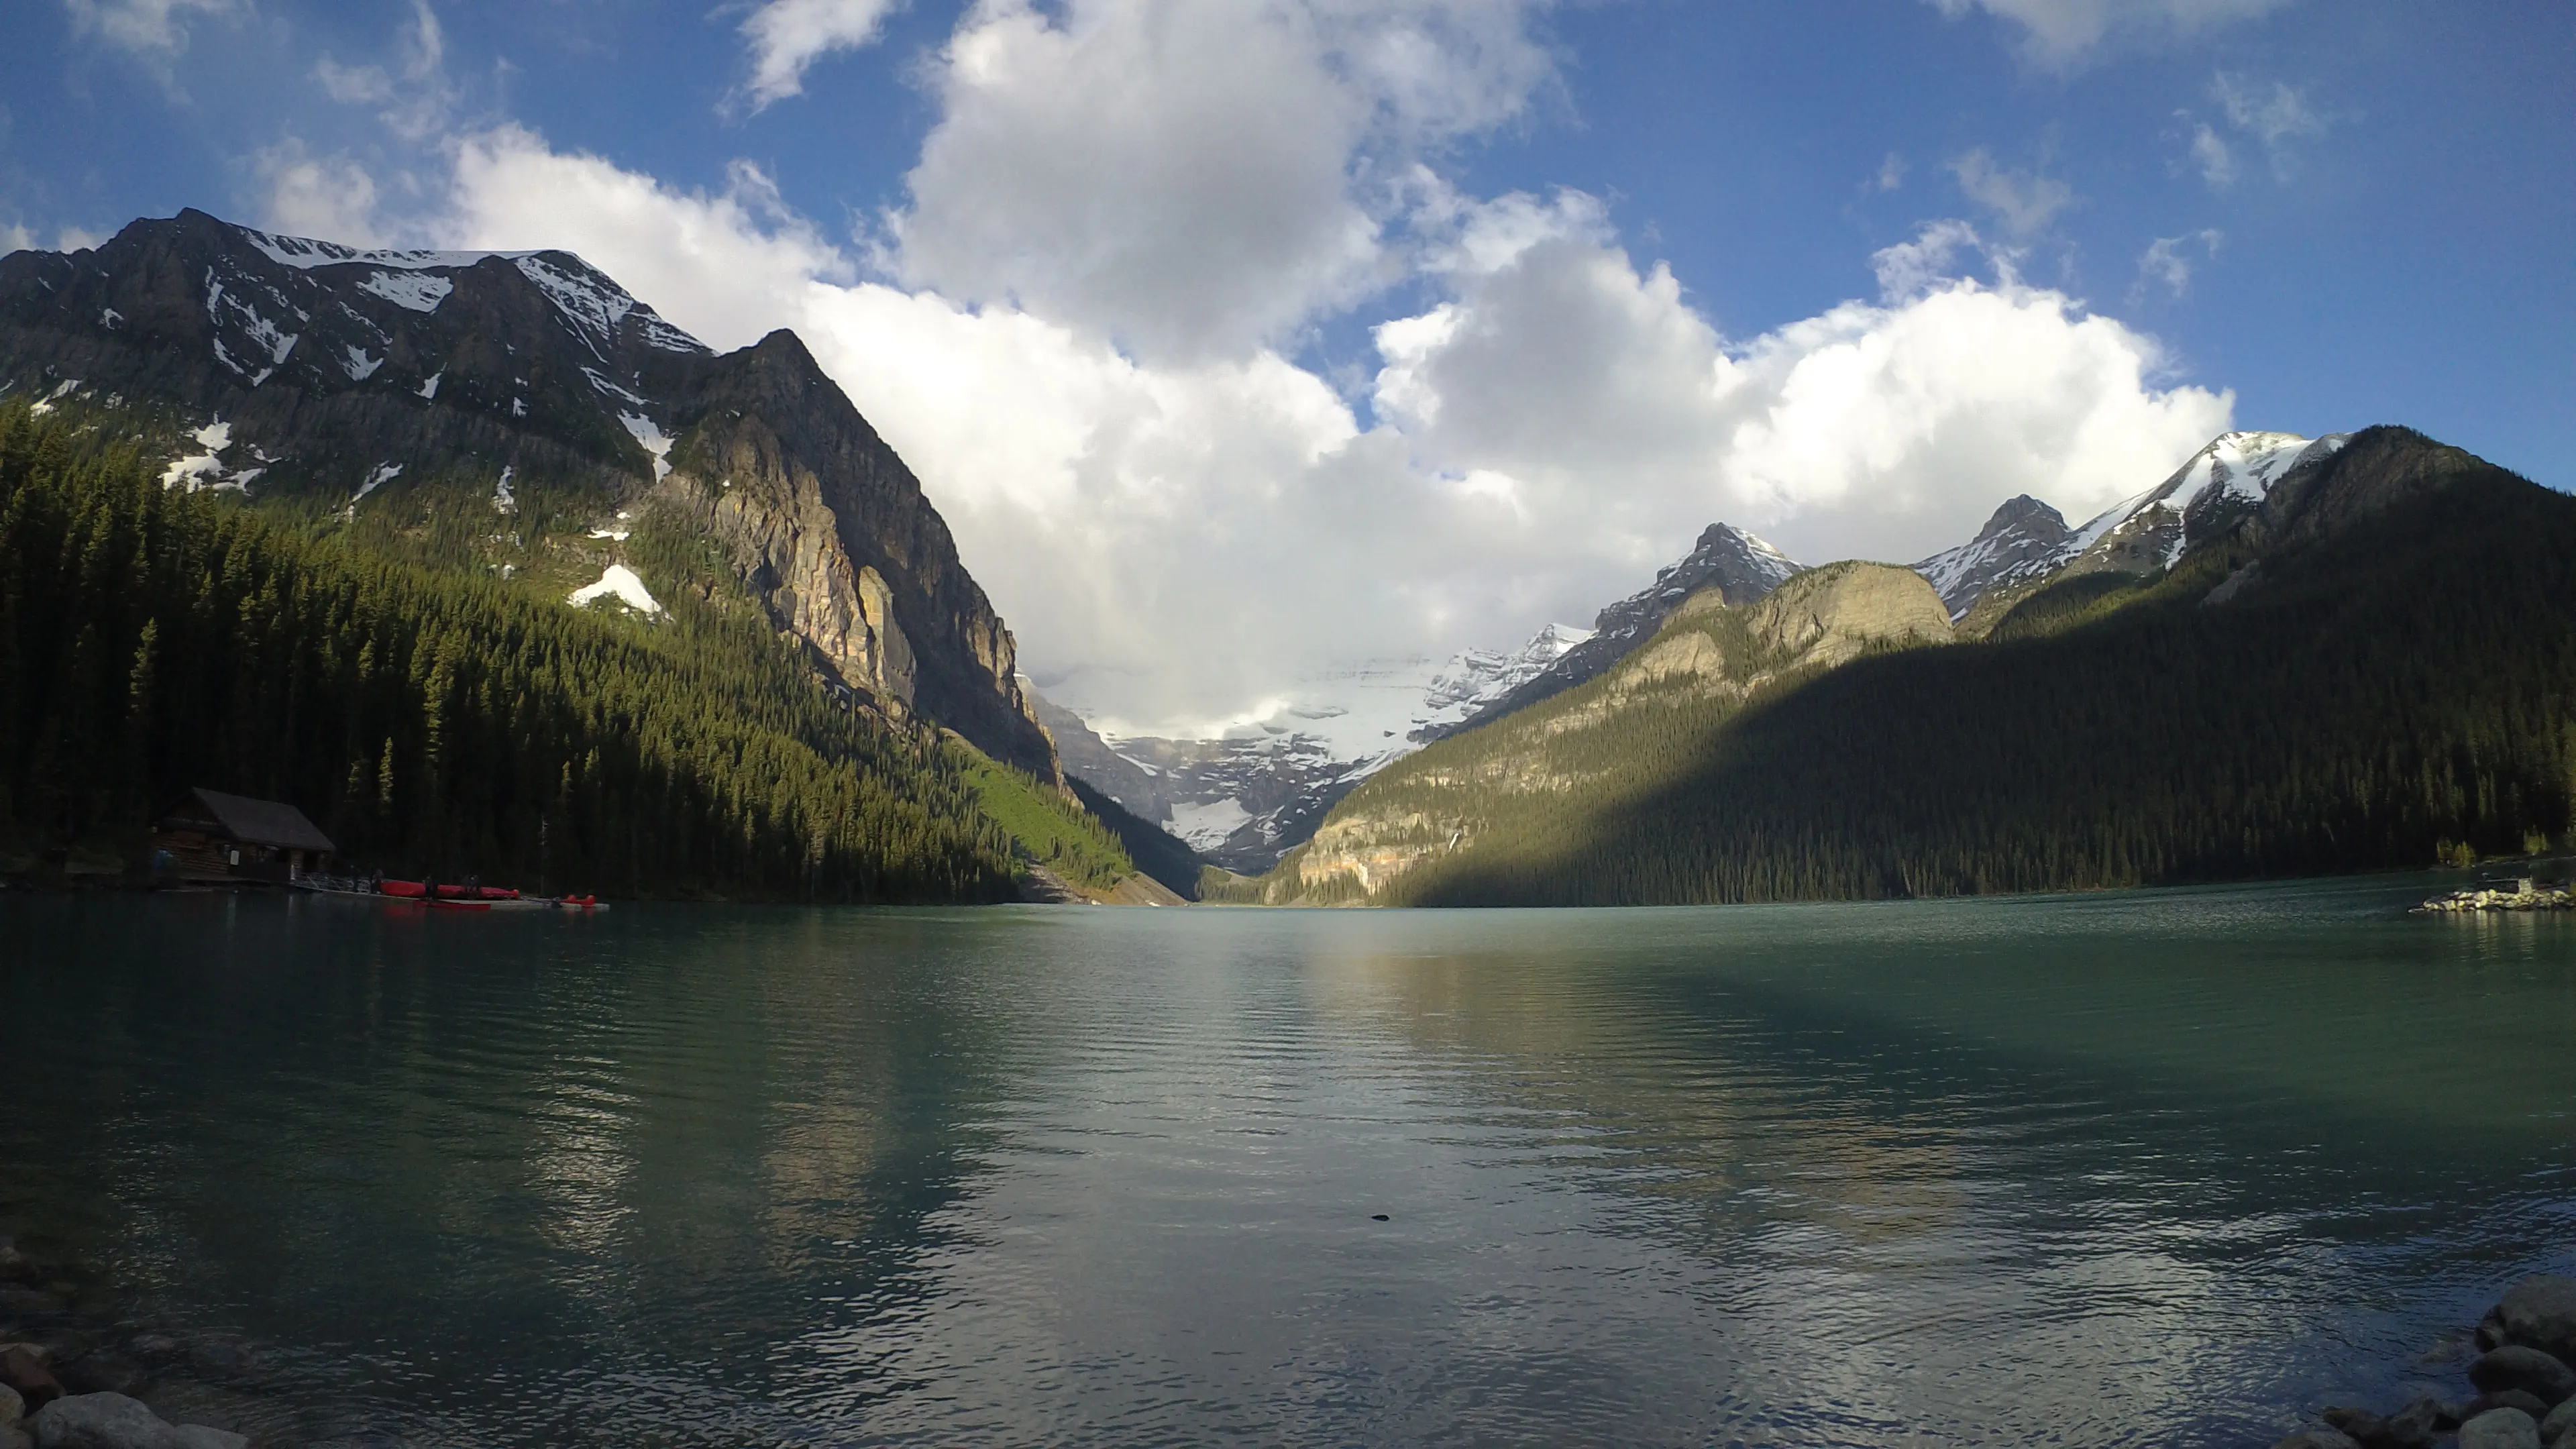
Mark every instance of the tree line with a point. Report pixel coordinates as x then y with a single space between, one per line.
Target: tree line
433 721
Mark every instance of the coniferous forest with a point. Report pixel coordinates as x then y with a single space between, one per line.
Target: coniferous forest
432 721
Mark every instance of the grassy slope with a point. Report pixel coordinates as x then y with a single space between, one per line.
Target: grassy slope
1046 828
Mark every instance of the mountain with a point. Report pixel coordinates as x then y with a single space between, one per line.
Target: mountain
1475 681
1609 736
520 413
1245 800
2026 544
2292 657
1741 567
2026 539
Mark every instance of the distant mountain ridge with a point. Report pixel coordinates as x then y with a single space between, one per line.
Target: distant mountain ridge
1740 566
392 387
2291 656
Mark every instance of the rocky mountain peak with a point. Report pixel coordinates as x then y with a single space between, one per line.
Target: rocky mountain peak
528 385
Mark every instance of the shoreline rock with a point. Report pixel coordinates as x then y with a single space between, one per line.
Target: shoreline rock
2526 1391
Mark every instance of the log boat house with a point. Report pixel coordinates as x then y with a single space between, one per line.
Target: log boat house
210 835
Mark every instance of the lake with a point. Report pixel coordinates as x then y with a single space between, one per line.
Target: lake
2162 1167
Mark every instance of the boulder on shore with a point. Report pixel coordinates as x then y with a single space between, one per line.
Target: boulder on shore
113 1421
2539 1312
2536 1373
2500 1429
23 1371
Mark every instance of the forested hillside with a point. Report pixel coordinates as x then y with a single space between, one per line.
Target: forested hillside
2374 668
430 720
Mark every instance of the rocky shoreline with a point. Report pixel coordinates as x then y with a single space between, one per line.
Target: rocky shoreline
2525 1393
76 1373
2523 895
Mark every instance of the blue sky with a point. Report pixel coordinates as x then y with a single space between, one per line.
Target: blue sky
1316 331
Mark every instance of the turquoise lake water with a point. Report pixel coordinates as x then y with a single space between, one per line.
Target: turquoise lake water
2144 1168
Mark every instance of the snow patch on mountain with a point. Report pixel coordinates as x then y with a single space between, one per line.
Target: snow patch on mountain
304 254
1206 827
2239 466
618 582
382 474
650 434
355 362
412 290
61 390
201 470
429 389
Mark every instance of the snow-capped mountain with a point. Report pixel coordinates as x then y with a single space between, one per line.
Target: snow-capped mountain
529 397
1247 798
2025 539
1474 680
2027 542
1740 566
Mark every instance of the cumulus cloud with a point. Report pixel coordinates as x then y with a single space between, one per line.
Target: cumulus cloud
2062 34
331 196
727 266
2024 201
1177 541
786 36
1194 177
16 238
1080 330
2167 263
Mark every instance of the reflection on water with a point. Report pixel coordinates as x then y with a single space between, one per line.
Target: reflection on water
2154 1168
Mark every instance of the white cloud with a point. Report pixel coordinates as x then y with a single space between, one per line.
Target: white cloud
2167 263
1891 172
1195 177
2211 153
418 97
1176 542
331 197
2024 201
727 266
353 85
16 238
156 30
1907 270
2271 115
1078 328
75 239
2061 34
786 36
1883 431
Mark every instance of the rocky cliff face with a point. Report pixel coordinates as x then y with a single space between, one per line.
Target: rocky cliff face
303 373
1710 656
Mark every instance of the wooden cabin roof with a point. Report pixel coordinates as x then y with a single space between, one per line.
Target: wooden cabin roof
252 822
